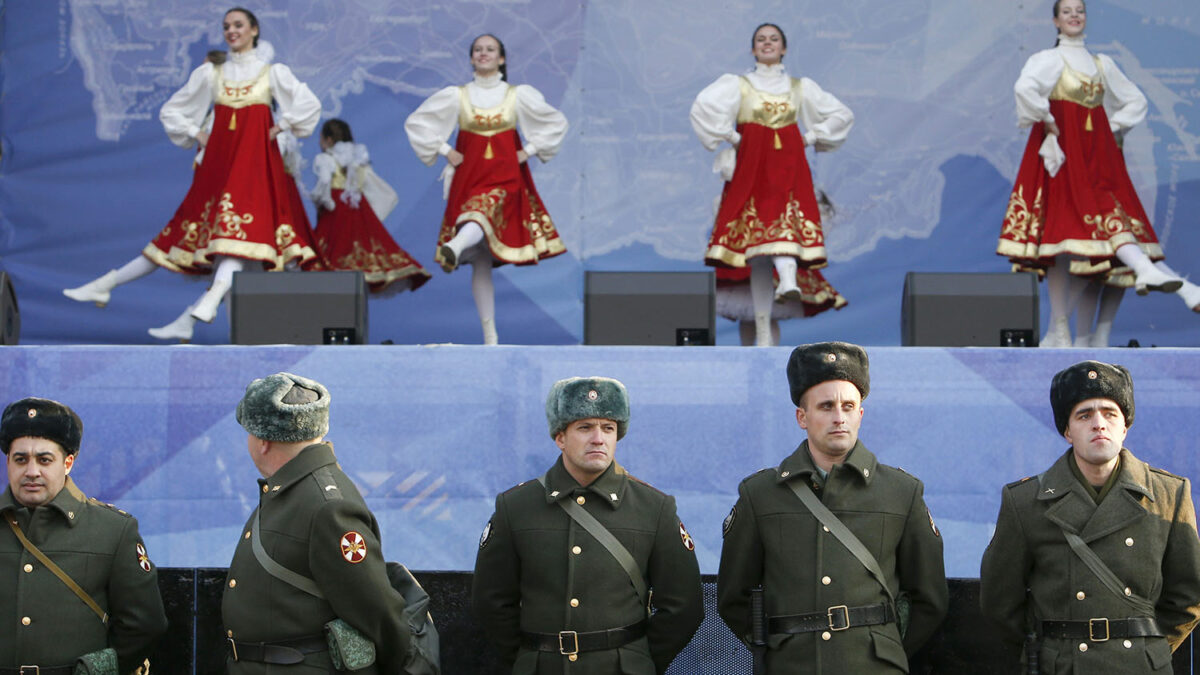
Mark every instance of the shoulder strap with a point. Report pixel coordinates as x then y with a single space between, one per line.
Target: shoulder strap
56 570
279 571
1102 571
843 534
606 539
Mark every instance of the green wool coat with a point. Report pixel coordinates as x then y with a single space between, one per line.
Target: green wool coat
534 560
99 547
315 523
1144 530
773 540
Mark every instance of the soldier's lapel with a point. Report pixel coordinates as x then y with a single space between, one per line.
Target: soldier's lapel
1072 510
1119 509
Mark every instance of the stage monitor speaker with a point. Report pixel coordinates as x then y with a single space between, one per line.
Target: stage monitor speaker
649 308
969 310
10 314
302 308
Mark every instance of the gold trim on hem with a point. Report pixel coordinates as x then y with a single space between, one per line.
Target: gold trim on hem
812 257
1085 248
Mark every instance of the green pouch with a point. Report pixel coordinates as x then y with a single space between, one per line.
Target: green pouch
348 648
100 662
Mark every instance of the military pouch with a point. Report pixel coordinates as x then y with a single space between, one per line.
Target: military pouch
100 662
348 648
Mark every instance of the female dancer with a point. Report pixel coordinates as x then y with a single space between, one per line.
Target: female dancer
349 233
768 220
493 212
242 205
1073 212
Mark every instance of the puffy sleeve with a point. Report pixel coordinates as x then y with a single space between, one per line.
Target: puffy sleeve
542 126
299 108
323 166
430 125
1033 87
714 112
1123 101
826 120
182 116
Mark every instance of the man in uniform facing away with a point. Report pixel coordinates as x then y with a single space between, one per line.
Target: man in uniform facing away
47 626
827 612
313 523
567 562
1105 544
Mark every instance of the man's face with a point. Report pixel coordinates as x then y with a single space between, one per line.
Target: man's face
37 470
1096 430
831 413
587 446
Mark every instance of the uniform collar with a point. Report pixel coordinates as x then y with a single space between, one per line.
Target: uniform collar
69 503
1133 475
610 486
308 460
860 461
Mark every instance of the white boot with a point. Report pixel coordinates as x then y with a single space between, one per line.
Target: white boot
1191 295
179 329
97 290
1058 336
449 260
787 289
489 332
206 309
1154 279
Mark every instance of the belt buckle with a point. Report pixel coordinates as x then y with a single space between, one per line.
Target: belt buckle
838 610
573 636
1092 625
29 670
233 648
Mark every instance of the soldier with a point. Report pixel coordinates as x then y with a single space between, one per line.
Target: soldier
316 531
1105 544
845 550
565 564
104 609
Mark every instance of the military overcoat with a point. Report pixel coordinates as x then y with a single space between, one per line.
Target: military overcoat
314 522
99 547
772 539
539 571
1144 530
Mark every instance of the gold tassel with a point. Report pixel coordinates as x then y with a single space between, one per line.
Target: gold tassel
233 121
487 154
778 144
1087 126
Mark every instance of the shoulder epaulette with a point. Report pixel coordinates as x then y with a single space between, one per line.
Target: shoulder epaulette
327 484
514 487
642 482
1164 472
111 507
1018 482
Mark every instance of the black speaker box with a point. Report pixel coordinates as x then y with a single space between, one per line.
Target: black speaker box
969 310
649 308
10 314
302 308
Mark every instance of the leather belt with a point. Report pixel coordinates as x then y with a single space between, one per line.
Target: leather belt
838 617
283 652
38 670
569 642
1099 630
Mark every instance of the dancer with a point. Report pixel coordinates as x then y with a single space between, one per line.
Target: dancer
349 236
768 222
242 205
493 212
1073 213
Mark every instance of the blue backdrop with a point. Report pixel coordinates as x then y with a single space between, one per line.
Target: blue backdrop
87 176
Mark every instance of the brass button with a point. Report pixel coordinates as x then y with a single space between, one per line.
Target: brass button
574 602
826 581
1080 595
823 527
580 500
1128 591
572 657
1083 646
1129 541
229 633
265 488
25 621
247 536
866 473
71 515
826 635
233 583
576 550
1128 644
785 474
28 567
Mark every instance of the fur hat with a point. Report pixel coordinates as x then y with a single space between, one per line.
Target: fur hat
1090 379
41 418
813 364
577 398
285 408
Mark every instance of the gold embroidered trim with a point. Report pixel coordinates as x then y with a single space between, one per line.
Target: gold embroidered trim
487 209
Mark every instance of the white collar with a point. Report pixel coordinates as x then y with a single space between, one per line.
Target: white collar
489 81
770 70
1064 41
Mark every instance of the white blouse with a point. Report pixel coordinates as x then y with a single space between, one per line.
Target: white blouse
824 119
429 126
298 109
1123 101
361 180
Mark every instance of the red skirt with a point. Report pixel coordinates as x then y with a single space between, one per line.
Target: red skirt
242 202
351 238
768 208
1087 210
493 189
734 301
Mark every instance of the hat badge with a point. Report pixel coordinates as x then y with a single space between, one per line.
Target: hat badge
593 395
831 357
1092 375
33 412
